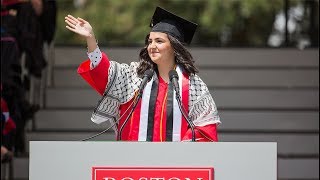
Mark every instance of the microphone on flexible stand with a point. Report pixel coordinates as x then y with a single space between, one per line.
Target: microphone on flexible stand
146 78
111 126
173 75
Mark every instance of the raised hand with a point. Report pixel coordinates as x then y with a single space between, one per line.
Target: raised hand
79 26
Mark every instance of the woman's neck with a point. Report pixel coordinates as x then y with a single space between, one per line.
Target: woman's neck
164 71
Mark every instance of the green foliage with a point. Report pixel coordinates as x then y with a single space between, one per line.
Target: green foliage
126 22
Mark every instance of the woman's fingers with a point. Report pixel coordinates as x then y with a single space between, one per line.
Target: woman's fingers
72 29
73 18
72 21
77 31
82 20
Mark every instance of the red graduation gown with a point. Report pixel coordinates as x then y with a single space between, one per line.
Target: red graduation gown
98 79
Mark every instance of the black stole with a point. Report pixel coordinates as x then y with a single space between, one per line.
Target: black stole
169 115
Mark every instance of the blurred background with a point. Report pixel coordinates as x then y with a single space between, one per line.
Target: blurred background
259 58
245 23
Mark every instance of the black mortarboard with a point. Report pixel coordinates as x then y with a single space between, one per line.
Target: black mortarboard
167 22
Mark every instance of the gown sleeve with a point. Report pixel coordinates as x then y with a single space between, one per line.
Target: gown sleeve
116 82
206 133
97 77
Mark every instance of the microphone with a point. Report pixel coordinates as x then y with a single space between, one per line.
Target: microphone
107 129
173 75
146 78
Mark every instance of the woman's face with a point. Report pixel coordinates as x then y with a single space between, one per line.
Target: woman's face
159 48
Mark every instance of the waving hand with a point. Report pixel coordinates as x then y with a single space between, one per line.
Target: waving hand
79 26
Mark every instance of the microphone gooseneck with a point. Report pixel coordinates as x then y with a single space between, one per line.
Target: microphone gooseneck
146 78
111 126
173 75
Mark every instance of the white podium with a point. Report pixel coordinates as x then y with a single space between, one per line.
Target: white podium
70 160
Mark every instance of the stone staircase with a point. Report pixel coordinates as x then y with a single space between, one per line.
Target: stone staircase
268 95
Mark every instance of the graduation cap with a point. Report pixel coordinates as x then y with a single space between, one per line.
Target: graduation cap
167 22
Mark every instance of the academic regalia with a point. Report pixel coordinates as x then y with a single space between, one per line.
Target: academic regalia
31 39
48 20
7 123
157 116
8 126
118 84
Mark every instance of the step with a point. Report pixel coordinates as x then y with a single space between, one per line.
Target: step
78 54
298 169
230 78
234 57
67 136
255 57
280 121
71 98
303 99
67 120
264 121
288 143
20 169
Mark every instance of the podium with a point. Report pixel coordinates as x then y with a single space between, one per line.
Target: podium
66 160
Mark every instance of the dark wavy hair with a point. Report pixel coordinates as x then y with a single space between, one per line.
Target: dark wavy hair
182 57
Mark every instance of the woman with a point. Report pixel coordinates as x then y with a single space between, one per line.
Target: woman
157 116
